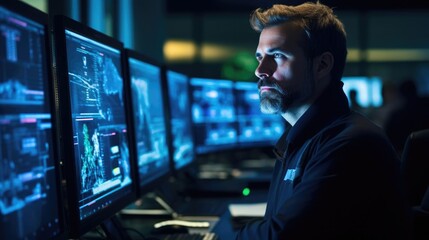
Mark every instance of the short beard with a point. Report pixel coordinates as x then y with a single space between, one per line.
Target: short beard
274 101
271 103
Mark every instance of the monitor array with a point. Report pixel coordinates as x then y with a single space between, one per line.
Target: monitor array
226 115
88 126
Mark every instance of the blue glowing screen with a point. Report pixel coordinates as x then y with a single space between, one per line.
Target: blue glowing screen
181 121
29 207
149 120
99 123
213 114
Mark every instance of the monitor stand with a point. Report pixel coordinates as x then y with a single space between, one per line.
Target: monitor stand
113 229
152 204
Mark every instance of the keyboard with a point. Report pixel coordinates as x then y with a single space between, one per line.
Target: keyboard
189 236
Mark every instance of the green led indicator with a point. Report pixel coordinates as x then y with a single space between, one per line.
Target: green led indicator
246 191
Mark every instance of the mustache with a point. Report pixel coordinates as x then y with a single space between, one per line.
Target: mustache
266 82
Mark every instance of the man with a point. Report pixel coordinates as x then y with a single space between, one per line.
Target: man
336 176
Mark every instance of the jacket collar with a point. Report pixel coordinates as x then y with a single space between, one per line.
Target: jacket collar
329 106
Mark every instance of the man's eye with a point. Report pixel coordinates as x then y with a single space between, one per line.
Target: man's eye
277 55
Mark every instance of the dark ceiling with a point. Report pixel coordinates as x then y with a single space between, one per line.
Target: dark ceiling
206 6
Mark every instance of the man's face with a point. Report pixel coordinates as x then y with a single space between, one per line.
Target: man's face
284 72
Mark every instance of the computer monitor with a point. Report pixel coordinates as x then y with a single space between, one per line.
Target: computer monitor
30 195
144 80
213 114
254 127
368 90
98 165
181 126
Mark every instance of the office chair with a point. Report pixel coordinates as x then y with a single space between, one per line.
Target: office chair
421 218
415 176
415 166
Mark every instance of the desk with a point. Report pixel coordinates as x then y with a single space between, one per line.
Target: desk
221 225
138 226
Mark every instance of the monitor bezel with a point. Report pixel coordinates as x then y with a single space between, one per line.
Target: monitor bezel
176 170
166 173
79 227
36 15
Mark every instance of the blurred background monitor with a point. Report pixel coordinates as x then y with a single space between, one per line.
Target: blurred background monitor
367 89
30 196
149 118
181 127
254 127
213 115
94 133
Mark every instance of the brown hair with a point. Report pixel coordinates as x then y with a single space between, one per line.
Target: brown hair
324 31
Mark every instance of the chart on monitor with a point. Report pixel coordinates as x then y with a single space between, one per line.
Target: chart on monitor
94 116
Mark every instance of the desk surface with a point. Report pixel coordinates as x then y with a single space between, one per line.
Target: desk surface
220 225
138 226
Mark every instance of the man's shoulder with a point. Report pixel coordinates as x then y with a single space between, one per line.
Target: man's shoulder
352 124
352 129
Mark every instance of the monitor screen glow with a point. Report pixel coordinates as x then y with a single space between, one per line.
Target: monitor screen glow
149 120
30 200
99 171
99 123
213 114
180 118
368 90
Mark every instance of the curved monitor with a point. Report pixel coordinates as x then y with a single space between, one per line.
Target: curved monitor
254 127
213 114
149 119
181 126
93 111
30 196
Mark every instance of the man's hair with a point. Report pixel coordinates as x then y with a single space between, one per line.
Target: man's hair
324 31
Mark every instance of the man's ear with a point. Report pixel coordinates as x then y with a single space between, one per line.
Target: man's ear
323 64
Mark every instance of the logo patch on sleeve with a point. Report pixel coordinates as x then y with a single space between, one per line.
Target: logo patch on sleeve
290 174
